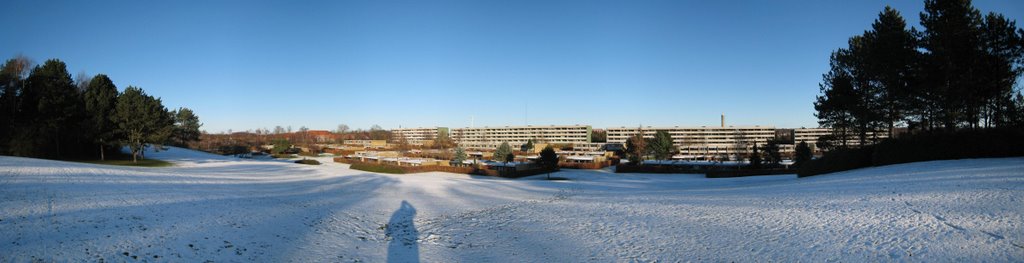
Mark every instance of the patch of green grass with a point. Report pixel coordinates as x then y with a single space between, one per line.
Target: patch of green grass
126 160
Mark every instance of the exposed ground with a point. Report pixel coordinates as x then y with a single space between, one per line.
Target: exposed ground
209 207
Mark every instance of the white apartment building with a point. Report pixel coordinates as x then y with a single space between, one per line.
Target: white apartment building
732 142
489 138
417 136
699 143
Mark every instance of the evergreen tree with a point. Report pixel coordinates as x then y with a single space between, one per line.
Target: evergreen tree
548 158
186 127
755 158
890 57
100 99
50 113
12 79
280 145
1015 112
528 146
771 151
828 142
142 119
460 155
999 68
836 105
803 153
502 152
952 38
661 146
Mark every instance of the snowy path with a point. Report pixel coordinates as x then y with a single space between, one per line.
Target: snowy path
222 209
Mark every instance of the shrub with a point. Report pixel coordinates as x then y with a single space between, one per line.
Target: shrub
745 173
838 160
308 161
982 143
936 145
589 166
655 169
377 168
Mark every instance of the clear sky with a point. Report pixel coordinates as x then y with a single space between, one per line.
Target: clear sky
257 64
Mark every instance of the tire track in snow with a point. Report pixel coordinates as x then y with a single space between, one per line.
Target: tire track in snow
943 220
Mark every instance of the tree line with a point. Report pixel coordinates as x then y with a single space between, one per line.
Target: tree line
958 72
46 114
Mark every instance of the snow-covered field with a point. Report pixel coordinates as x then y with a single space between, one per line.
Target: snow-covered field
210 207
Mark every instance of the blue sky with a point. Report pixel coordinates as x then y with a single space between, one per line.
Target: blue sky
257 64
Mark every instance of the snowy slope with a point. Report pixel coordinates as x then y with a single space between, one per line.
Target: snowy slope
209 207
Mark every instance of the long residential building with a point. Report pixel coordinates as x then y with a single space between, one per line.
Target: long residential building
730 142
489 138
692 143
418 136
703 142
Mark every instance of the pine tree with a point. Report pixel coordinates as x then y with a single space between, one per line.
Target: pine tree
142 119
460 155
771 151
755 158
662 146
528 146
186 127
803 153
100 100
952 38
12 80
548 158
280 145
890 57
999 68
502 152
836 105
50 113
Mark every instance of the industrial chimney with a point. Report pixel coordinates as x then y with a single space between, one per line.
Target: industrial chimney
723 120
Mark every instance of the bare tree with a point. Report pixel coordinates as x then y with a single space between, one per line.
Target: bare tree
305 133
82 81
741 145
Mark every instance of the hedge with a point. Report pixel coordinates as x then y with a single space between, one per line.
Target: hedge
981 143
308 161
745 173
377 168
591 166
709 171
395 169
928 146
655 169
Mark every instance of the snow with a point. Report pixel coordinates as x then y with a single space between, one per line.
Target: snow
226 209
